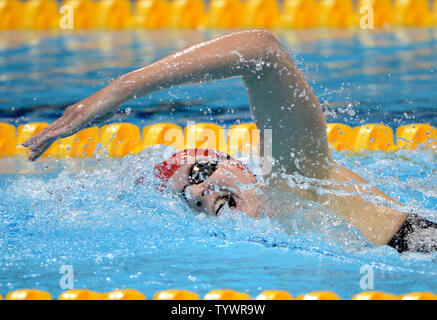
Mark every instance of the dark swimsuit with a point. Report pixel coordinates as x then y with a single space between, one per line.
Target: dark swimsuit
414 235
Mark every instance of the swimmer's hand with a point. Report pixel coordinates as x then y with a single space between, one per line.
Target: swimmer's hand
84 114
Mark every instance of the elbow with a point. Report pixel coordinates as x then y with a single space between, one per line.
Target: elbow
262 36
265 40
262 45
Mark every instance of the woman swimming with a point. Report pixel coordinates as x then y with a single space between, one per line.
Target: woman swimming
280 100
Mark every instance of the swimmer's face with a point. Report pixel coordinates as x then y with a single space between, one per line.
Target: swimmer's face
208 186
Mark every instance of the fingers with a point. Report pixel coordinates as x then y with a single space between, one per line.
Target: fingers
32 140
37 152
74 119
41 141
60 128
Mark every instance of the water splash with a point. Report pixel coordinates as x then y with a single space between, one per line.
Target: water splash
118 234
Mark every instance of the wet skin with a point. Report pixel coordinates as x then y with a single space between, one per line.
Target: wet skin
228 184
280 99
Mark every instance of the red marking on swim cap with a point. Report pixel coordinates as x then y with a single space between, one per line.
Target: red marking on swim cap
165 170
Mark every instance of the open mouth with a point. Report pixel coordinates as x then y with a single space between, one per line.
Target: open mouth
220 203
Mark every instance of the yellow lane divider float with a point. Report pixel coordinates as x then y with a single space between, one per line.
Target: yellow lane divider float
225 13
121 139
373 137
84 13
221 294
26 131
299 14
113 14
175 295
8 140
187 14
413 13
28 294
334 14
319 295
226 294
383 12
11 14
152 14
40 15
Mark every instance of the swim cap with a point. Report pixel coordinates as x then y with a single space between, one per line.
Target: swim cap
165 170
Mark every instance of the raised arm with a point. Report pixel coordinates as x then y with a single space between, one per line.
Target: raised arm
280 99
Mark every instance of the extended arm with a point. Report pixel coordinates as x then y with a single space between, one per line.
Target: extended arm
280 98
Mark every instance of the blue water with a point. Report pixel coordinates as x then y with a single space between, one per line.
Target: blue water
91 216
379 76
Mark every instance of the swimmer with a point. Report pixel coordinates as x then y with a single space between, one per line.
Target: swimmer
281 100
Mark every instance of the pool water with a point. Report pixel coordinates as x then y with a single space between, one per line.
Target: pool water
89 214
